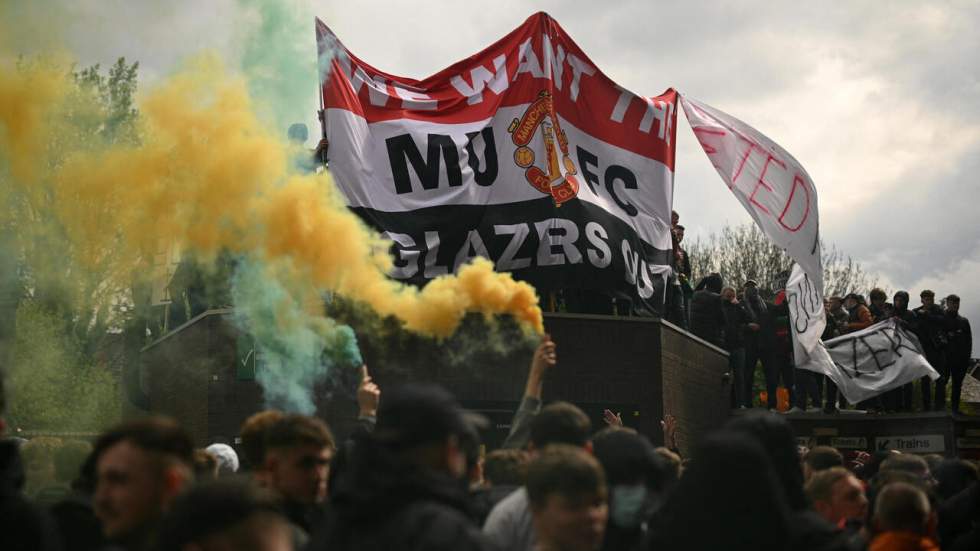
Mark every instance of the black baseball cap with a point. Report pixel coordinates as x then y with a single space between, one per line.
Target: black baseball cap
423 413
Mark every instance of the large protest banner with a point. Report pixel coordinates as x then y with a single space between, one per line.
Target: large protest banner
525 153
780 196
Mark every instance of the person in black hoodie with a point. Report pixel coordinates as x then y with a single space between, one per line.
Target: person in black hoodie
404 485
727 499
809 532
906 319
960 348
707 317
931 325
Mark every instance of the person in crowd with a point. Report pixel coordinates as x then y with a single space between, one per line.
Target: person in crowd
774 434
903 520
858 315
738 322
701 513
757 342
23 526
141 467
953 476
75 514
638 479
205 465
838 314
405 484
880 308
568 499
225 514
682 267
298 452
707 316
906 319
931 329
821 458
781 354
906 462
959 340
253 433
503 473
509 524
226 456
838 496
830 331
545 357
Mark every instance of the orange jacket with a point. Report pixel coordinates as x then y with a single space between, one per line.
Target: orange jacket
903 541
865 319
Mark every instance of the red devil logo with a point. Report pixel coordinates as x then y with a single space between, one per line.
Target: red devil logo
540 114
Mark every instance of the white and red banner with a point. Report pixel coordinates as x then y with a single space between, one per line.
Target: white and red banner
780 196
773 187
525 153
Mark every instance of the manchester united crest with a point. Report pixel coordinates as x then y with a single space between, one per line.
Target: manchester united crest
551 180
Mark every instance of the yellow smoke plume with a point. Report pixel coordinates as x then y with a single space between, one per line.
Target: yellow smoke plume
207 175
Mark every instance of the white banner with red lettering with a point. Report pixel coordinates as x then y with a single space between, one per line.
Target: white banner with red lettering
773 187
525 153
779 194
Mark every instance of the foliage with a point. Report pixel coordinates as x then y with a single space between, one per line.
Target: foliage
40 262
53 384
744 252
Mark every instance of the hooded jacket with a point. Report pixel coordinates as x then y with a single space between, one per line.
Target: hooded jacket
707 316
381 502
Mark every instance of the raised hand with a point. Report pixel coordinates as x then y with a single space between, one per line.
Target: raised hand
612 419
368 395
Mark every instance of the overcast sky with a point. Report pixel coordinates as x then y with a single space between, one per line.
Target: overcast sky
880 101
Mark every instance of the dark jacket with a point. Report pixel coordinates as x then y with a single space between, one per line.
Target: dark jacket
22 525
931 327
707 317
737 320
959 340
380 503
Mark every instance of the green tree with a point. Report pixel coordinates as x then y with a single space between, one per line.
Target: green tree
743 252
62 320
53 384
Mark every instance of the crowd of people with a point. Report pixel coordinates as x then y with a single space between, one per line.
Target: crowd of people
414 475
755 331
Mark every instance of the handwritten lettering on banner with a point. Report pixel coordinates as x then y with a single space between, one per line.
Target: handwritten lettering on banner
772 185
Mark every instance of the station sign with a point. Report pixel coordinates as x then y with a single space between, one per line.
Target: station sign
919 443
850 442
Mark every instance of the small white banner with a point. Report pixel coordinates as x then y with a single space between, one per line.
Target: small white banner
871 361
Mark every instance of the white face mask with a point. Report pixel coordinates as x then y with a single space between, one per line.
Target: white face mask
626 508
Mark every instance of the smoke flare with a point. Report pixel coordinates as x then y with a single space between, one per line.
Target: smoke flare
208 175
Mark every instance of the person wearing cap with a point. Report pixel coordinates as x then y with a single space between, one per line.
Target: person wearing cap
931 325
405 484
960 348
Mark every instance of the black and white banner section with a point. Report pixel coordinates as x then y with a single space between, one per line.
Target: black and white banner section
872 361
524 153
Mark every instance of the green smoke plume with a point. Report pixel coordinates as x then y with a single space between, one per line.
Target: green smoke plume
296 347
279 59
